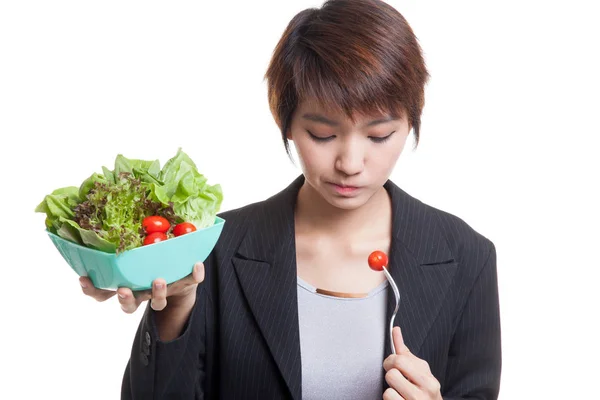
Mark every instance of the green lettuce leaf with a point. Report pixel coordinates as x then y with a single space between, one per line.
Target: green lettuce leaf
114 212
174 170
201 207
193 199
59 203
89 184
70 230
106 211
109 175
136 167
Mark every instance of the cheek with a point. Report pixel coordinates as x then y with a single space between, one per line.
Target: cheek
311 155
384 159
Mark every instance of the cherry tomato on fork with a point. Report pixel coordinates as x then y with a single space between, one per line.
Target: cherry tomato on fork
378 260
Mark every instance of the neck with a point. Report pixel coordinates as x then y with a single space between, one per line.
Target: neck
314 211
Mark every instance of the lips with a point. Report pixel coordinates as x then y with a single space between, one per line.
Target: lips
345 190
345 186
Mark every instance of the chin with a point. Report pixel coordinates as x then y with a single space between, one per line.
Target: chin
345 203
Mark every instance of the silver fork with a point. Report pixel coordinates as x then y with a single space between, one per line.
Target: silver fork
397 294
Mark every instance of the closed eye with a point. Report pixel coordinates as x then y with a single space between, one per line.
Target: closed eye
383 139
319 138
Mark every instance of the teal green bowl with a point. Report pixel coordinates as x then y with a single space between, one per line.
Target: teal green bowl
171 259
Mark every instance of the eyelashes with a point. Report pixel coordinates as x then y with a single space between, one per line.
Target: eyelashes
381 139
374 139
318 138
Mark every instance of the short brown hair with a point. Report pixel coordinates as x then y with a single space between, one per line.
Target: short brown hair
352 56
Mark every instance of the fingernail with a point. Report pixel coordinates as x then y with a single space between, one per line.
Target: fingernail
159 286
121 296
83 284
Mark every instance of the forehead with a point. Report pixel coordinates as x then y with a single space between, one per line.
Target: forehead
334 112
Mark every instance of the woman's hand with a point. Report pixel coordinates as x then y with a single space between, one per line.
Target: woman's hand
181 292
409 377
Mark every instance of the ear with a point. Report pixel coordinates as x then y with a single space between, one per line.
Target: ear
289 135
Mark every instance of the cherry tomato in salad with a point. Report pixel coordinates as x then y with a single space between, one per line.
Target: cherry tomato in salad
155 237
155 223
378 260
183 228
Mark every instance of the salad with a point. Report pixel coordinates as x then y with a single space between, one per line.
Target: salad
135 204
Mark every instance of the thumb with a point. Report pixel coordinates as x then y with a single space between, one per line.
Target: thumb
198 272
196 277
399 341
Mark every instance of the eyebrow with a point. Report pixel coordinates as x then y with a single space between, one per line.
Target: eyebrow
321 119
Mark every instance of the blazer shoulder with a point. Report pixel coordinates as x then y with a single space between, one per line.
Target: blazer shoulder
237 222
468 245
241 216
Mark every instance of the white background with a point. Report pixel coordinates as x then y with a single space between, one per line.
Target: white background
509 144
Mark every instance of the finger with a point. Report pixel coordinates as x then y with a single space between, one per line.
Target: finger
190 281
198 272
90 290
159 295
142 295
390 362
413 368
196 277
398 361
127 300
401 385
399 341
391 394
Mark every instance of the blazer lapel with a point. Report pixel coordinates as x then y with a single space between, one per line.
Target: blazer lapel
265 264
420 263
422 267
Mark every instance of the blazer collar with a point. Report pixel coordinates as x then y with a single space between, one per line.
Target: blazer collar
421 264
272 226
414 227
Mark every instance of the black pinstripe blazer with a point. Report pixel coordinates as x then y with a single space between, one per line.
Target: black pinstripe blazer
242 339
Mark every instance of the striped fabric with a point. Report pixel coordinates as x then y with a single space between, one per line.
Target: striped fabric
242 339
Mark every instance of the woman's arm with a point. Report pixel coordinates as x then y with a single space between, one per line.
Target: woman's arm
171 321
475 361
168 355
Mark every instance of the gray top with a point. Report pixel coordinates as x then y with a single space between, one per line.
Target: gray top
341 344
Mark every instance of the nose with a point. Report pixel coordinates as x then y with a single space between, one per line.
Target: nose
350 159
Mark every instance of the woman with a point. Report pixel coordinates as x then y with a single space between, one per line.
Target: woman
285 305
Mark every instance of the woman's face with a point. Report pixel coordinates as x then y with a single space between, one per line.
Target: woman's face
345 162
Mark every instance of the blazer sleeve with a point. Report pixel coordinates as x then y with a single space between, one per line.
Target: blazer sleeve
474 362
169 370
